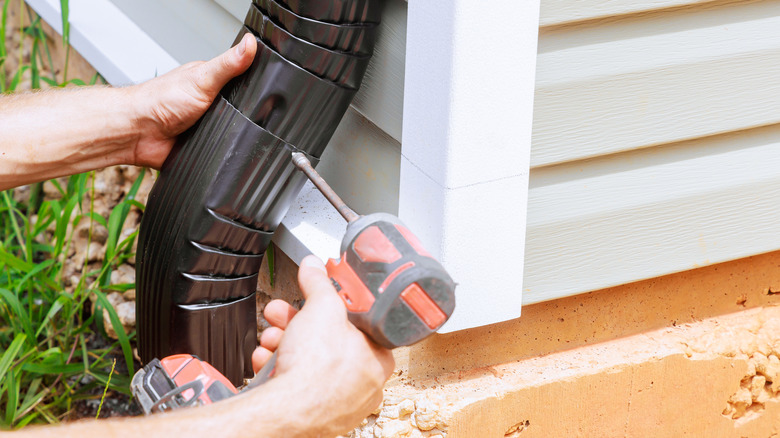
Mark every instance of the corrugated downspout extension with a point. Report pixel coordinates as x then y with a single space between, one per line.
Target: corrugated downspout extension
229 180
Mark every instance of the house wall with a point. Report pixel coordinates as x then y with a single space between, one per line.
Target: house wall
653 172
653 144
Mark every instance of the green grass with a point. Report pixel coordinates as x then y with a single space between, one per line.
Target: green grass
52 350
46 332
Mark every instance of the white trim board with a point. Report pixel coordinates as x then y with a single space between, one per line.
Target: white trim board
468 113
107 39
361 163
190 30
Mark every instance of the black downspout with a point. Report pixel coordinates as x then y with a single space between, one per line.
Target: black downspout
229 180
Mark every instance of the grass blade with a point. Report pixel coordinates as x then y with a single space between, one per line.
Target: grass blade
3 53
91 215
65 10
31 399
21 265
10 354
105 389
12 394
19 313
13 213
55 308
35 81
18 76
51 82
63 219
33 272
31 390
26 420
118 216
66 370
78 82
124 340
136 204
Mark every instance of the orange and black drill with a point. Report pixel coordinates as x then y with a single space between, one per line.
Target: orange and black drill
395 291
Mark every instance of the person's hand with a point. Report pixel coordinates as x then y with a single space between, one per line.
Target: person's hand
318 348
278 313
167 106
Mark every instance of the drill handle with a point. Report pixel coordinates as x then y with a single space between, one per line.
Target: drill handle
395 291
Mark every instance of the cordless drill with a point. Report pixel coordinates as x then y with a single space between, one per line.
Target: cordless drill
394 290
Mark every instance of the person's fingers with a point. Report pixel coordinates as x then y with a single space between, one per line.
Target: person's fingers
260 357
279 313
318 290
214 74
271 338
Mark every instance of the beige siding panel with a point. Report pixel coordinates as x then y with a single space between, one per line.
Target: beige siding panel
617 88
556 12
618 219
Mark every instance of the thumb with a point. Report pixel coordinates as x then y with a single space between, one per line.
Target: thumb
215 74
316 286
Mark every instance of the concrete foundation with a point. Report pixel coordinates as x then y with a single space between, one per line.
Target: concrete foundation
691 354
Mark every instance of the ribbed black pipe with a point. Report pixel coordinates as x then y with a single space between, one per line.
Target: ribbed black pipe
223 191
348 37
337 11
343 68
289 101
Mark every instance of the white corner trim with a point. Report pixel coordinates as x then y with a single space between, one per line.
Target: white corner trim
468 112
117 48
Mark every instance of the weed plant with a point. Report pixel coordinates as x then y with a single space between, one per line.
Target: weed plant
51 352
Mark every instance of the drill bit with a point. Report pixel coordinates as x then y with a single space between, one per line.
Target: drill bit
303 163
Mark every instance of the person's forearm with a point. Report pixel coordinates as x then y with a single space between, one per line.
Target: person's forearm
279 408
61 132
